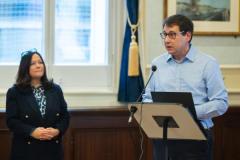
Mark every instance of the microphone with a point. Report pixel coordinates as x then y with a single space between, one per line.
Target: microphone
133 109
154 68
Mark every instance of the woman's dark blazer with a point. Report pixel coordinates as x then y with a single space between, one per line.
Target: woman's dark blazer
23 116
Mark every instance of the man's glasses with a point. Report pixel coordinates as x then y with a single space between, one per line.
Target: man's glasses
33 50
171 35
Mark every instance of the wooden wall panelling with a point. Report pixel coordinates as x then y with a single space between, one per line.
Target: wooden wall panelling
5 139
104 134
226 133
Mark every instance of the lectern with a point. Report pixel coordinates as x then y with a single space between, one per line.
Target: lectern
167 121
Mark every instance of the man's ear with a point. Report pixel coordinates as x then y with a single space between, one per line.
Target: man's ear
188 36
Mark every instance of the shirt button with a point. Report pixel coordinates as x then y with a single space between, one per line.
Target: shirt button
28 142
57 141
26 116
57 114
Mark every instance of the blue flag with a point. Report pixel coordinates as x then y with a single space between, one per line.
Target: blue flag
130 88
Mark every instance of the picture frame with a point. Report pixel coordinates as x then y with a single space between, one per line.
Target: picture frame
208 19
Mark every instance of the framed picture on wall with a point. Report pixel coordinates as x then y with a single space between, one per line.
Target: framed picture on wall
210 17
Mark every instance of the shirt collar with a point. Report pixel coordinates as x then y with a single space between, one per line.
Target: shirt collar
190 55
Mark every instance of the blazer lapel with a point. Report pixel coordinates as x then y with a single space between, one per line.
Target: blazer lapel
33 104
49 101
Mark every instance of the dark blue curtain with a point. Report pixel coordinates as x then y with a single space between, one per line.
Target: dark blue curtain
129 87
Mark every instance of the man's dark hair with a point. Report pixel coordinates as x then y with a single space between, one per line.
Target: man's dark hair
183 22
23 80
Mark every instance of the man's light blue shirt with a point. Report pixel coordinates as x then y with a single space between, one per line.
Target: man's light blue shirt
197 73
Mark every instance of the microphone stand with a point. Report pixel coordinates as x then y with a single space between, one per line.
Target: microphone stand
133 109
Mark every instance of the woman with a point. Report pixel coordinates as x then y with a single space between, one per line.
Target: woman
36 112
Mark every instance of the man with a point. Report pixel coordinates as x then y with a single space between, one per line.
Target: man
185 69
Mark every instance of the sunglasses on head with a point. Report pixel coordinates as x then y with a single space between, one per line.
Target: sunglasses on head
33 50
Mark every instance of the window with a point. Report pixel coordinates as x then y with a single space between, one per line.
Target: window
20 28
81 61
80 32
80 47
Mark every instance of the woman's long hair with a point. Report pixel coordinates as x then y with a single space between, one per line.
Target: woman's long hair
23 77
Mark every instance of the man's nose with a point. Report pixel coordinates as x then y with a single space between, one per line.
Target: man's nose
167 39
